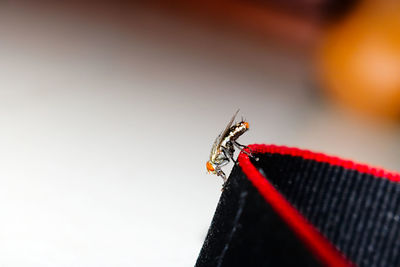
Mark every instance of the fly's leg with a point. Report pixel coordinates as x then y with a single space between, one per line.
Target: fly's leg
221 173
242 147
223 162
229 155
238 144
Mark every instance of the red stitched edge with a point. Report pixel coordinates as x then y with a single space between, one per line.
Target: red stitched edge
318 244
320 157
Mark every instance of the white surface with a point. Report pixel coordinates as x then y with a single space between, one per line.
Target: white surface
105 133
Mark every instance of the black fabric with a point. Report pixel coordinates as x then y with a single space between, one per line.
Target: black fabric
245 231
357 212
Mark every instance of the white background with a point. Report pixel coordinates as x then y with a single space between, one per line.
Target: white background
104 132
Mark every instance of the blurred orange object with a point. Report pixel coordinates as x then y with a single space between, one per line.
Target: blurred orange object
359 59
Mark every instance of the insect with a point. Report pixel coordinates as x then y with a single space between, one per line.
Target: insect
224 146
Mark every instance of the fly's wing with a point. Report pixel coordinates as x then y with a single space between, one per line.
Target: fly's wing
220 137
215 150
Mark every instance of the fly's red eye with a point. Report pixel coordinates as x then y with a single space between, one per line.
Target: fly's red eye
209 167
246 124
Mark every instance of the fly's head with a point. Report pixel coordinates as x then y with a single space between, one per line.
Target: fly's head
210 167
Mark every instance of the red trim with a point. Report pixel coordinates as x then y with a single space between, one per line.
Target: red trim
348 164
319 245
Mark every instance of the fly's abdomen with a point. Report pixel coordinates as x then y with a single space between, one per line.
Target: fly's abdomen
238 130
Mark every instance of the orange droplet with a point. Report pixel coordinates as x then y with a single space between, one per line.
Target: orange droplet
246 124
210 167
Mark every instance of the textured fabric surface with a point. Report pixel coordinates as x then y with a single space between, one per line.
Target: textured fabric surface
246 231
358 212
353 208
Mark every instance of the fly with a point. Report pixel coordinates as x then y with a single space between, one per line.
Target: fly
224 147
